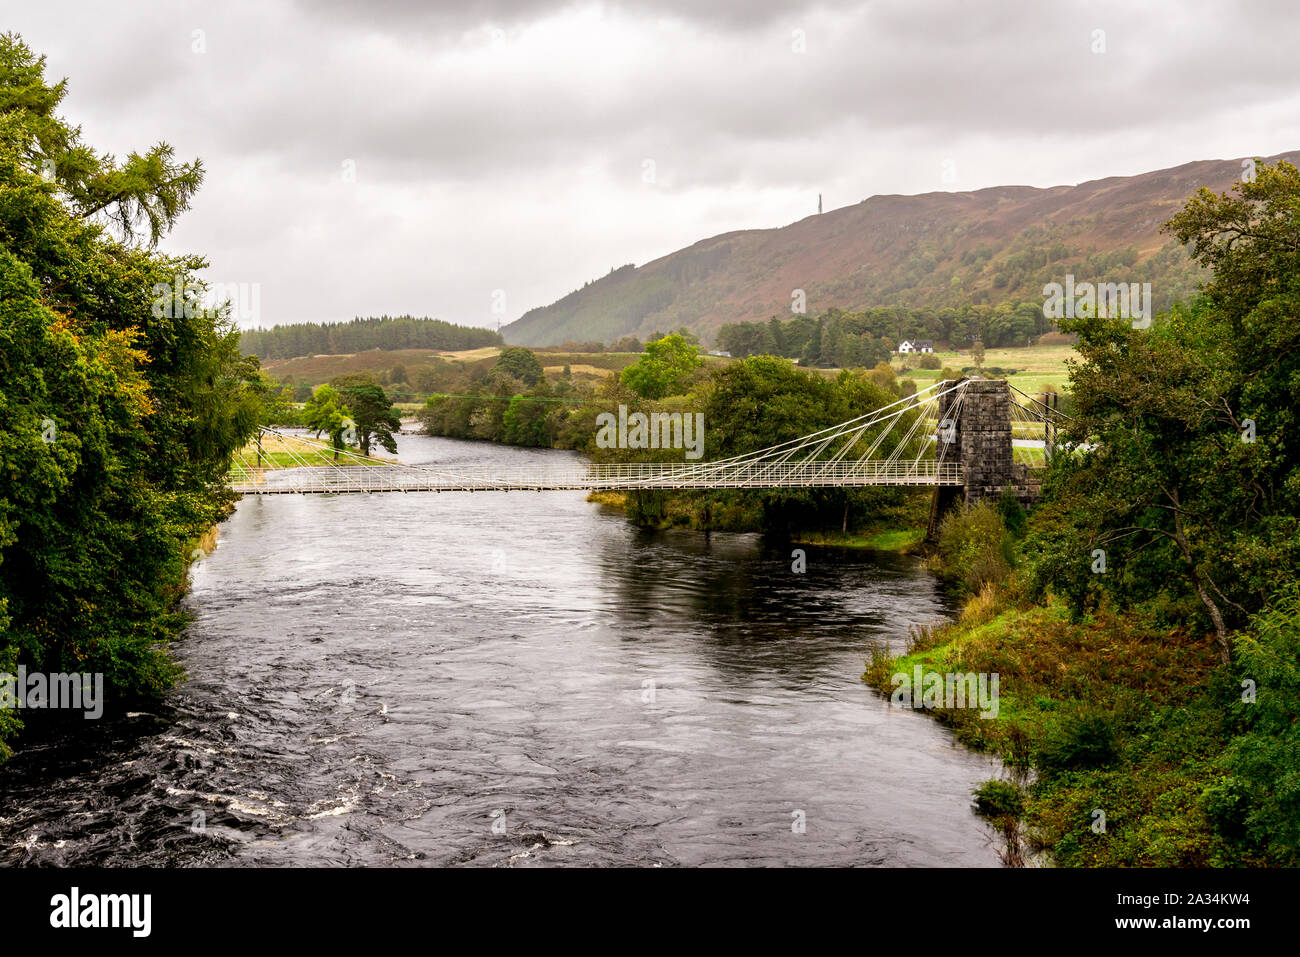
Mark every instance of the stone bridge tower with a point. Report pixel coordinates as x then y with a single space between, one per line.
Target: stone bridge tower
981 417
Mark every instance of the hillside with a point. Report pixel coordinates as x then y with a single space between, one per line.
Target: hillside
934 250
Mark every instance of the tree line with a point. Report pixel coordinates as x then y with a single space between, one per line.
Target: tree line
361 334
839 339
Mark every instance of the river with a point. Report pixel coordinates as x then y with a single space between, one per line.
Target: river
512 679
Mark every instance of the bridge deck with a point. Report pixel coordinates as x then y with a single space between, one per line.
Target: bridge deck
427 478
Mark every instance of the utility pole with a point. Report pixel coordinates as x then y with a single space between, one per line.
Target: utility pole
819 204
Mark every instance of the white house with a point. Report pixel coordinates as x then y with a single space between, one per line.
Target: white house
915 345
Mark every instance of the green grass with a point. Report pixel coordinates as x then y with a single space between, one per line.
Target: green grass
282 452
1036 366
891 540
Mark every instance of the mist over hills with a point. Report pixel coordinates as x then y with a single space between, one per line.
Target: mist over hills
933 250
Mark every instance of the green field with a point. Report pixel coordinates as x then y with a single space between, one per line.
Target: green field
1036 366
284 452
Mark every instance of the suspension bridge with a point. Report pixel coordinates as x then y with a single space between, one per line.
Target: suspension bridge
972 436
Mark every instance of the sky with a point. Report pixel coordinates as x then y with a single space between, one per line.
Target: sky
470 161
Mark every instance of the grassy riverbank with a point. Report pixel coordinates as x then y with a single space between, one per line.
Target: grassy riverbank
903 540
286 452
897 526
1127 738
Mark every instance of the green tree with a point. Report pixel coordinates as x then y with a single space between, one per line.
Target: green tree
1191 478
374 416
325 412
666 368
277 403
520 363
120 409
532 418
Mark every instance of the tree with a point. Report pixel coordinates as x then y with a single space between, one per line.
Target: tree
531 419
277 403
977 354
520 363
764 401
884 377
426 380
150 189
1191 481
325 412
375 417
120 411
743 339
666 368
626 344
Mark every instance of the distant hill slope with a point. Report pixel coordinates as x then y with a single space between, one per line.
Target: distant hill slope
933 250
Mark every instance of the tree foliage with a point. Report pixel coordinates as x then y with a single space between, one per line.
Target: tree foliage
118 418
666 368
374 417
325 413
1191 484
521 363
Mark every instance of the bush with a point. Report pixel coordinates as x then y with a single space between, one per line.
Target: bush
1228 805
1082 741
930 361
974 546
996 798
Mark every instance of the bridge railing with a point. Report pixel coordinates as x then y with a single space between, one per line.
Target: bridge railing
611 476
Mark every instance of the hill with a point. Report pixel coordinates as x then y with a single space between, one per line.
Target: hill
934 250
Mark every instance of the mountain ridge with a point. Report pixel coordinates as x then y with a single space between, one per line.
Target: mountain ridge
932 250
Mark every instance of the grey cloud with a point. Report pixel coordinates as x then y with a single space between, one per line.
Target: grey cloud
471 14
534 142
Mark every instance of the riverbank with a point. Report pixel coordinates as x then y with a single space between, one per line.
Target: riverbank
905 541
1119 732
898 527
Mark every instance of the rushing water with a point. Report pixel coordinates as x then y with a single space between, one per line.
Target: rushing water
394 679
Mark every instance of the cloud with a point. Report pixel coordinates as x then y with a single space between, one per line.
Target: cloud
509 144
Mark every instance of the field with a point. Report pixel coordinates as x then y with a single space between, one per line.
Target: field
313 370
429 371
284 452
1035 366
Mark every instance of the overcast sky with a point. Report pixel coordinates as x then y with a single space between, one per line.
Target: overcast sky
414 157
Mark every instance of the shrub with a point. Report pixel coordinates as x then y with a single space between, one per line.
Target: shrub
1082 741
974 546
1227 804
930 361
996 798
